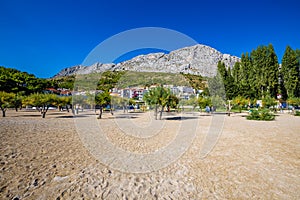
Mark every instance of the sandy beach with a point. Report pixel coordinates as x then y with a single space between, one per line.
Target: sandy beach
47 159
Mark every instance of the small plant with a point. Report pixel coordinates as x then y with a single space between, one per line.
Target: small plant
264 115
297 113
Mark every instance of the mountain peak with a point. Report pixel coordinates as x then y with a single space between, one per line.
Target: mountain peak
198 59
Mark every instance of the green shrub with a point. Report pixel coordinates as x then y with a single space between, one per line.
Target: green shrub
297 113
264 115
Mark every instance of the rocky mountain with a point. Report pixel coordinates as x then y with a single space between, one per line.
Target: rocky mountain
198 59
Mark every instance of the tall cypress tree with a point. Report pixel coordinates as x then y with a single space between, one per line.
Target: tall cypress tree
245 84
235 72
298 58
290 72
272 71
230 85
222 70
227 79
258 80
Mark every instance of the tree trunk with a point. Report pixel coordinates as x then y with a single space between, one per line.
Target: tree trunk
160 114
100 113
3 112
228 109
44 111
155 112
16 109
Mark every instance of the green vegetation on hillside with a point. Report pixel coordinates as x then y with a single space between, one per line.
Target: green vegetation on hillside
63 82
12 80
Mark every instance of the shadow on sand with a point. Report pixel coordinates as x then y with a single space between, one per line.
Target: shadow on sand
179 118
36 115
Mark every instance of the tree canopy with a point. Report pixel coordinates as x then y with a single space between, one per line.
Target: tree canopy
259 74
160 96
12 80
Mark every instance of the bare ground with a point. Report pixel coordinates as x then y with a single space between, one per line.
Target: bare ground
46 159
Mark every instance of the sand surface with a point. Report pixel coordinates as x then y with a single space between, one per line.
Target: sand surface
47 158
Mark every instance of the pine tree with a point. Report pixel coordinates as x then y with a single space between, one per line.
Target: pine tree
290 72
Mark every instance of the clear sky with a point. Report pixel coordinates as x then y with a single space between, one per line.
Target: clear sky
44 36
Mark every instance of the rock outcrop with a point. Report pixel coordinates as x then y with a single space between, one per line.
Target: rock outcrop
198 59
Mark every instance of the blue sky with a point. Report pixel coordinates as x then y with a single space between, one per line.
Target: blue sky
42 37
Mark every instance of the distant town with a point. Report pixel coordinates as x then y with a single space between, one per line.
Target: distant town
137 93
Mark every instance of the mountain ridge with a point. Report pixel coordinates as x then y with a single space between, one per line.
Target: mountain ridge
198 59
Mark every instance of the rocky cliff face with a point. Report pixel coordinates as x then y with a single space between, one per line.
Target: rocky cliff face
198 59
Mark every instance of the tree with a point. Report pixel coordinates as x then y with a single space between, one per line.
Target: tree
5 101
62 101
268 102
193 101
172 102
236 72
203 102
298 58
228 79
240 102
120 101
246 77
17 101
294 101
290 72
272 72
109 79
102 99
159 96
216 86
90 100
152 98
41 101
63 82
12 80
230 87
258 59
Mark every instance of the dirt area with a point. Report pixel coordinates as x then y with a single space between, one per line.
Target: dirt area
52 158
